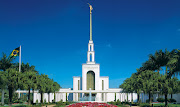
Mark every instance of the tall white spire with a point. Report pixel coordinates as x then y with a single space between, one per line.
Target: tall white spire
91 53
90 6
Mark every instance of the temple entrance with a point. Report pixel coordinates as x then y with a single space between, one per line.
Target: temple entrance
93 96
90 80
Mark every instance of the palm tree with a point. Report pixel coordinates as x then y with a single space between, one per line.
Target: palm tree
56 88
150 82
174 63
50 87
127 87
42 85
133 84
174 86
5 63
3 82
28 81
12 76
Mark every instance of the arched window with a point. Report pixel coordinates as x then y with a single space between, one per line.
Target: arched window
90 48
90 57
90 80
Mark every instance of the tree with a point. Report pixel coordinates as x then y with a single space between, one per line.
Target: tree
174 84
127 87
170 60
12 82
50 87
3 82
150 82
5 63
133 84
56 88
28 80
166 86
174 63
42 85
137 84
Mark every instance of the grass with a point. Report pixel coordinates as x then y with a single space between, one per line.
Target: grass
170 105
160 105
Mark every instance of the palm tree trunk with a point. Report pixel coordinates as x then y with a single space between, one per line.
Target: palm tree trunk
165 100
149 98
33 96
131 97
49 97
138 98
54 96
10 96
29 99
2 98
41 97
127 97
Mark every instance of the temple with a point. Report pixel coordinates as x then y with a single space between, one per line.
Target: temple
91 86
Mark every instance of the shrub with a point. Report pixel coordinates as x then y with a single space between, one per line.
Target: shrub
135 104
171 100
112 102
67 102
6 101
147 101
118 102
45 101
160 99
60 103
37 101
21 102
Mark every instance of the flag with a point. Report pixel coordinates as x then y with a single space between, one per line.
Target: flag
15 52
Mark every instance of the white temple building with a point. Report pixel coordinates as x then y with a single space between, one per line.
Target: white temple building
91 86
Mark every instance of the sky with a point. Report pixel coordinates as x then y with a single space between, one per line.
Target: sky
54 34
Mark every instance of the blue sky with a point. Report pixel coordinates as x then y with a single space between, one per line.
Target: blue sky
54 34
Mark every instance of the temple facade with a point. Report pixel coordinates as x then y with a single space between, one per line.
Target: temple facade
90 86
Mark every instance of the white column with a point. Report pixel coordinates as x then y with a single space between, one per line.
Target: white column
19 94
106 97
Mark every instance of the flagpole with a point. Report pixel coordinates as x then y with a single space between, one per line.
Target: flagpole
20 58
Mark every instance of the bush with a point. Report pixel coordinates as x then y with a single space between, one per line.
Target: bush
112 102
147 101
67 102
160 99
135 104
61 103
37 101
172 100
118 102
44 101
6 101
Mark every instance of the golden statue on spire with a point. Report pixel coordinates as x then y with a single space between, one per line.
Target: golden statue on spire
91 8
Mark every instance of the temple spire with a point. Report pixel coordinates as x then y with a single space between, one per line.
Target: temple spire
90 21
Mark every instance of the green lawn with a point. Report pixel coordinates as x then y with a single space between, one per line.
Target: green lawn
161 104
170 105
